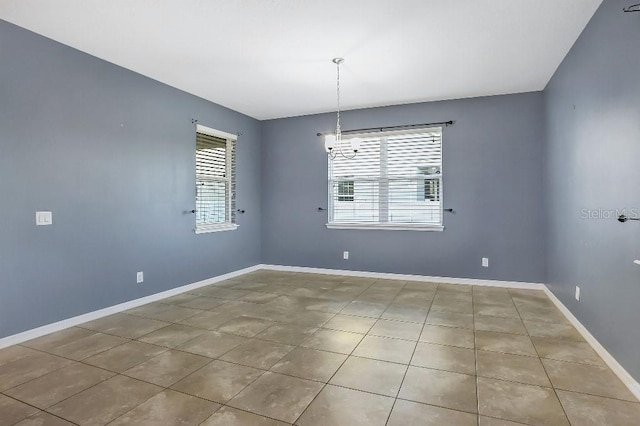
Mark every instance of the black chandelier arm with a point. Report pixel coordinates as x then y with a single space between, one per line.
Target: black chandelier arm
632 8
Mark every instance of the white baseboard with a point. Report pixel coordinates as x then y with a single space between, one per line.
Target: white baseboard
614 365
404 277
90 316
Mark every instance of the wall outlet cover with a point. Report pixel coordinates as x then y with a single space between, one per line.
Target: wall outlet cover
139 277
485 262
577 293
345 255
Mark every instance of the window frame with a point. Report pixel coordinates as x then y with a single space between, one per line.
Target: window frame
388 225
230 178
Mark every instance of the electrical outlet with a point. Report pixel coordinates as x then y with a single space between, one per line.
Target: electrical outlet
577 293
485 262
345 255
139 277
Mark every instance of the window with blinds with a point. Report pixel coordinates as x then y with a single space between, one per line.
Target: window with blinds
394 182
215 180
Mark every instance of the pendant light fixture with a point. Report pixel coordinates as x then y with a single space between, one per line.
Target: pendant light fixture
333 143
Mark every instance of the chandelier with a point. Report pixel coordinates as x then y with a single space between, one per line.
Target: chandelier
334 144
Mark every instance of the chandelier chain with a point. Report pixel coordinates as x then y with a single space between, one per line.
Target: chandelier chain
338 129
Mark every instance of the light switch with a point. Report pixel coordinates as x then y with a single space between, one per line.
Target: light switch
44 218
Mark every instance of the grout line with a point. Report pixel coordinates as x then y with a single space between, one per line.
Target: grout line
406 371
544 368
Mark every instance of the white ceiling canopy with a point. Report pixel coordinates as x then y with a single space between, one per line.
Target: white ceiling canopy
272 58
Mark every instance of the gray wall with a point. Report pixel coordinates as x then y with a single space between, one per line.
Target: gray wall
492 177
111 153
592 161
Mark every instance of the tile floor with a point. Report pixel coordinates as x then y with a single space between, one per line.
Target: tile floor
275 348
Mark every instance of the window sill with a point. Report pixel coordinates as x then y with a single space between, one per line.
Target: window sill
386 227
215 228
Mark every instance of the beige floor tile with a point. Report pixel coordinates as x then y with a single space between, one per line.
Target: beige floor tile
203 303
350 323
277 396
540 314
125 356
407 413
414 298
584 378
14 353
396 329
385 349
169 408
517 402
245 326
587 410
28 368
209 320
227 416
447 336
226 293
43 419
515 368
405 313
421 285
499 324
442 388
308 318
491 421
506 343
248 285
449 319
455 288
496 310
336 406
453 306
362 309
123 325
255 297
310 364
88 346
370 375
522 293
51 341
52 388
12 411
566 350
327 305
219 381
163 312
560 330
333 341
449 358
179 299
289 334
257 353
172 335
212 344
106 401
167 368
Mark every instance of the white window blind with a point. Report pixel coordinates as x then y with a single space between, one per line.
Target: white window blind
394 182
215 180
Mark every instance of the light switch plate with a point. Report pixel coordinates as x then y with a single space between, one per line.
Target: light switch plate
44 218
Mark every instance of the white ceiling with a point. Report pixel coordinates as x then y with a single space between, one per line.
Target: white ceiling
272 58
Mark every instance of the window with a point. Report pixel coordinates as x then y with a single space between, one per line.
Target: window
395 182
215 180
345 190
